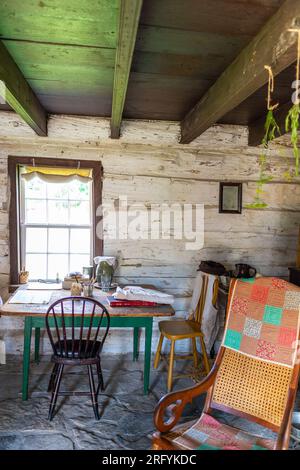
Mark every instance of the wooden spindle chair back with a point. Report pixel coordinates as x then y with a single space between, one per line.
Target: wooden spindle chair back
203 296
82 342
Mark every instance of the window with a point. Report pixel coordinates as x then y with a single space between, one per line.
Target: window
55 222
56 227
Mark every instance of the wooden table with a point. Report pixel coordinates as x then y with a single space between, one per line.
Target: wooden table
135 318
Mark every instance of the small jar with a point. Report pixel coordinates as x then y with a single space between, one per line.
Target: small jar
88 290
76 289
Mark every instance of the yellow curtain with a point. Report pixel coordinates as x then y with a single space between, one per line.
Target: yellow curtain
56 174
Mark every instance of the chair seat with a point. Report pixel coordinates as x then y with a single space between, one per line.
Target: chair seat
180 329
87 349
209 434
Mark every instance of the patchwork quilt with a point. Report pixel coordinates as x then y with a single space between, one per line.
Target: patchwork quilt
263 320
209 434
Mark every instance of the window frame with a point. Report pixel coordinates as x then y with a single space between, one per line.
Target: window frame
14 162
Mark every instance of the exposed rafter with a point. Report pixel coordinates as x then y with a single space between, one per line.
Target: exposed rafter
19 95
274 45
130 11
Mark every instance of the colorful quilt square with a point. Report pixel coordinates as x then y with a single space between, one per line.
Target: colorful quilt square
279 283
272 315
276 297
196 435
243 290
233 339
292 300
269 333
237 322
240 306
266 350
259 293
248 345
207 447
255 310
252 328
287 336
284 354
290 318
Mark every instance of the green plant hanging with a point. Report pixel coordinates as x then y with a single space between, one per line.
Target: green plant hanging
272 131
292 126
292 118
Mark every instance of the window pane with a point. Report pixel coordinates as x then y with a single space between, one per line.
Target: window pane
36 265
36 240
57 191
35 212
80 212
58 240
80 240
35 189
78 190
57 264
77 262
58 212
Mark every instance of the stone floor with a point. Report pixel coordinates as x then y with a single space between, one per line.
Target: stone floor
126 414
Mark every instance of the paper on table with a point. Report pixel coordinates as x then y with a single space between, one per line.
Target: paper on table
30 297
44 286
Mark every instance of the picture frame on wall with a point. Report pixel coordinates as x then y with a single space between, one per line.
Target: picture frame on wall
230 198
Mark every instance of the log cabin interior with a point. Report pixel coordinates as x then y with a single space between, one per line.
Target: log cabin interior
149 224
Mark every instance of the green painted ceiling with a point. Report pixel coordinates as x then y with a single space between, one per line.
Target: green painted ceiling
66 50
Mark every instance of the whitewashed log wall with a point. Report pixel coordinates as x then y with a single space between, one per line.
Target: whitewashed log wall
149 166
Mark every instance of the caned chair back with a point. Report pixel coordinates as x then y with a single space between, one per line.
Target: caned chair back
87 339
258 364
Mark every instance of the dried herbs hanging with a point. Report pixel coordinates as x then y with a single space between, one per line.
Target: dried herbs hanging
292 125
292 119
272 130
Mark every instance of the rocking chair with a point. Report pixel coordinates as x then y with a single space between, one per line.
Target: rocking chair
255 375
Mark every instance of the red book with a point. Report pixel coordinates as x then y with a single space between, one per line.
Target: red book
130 303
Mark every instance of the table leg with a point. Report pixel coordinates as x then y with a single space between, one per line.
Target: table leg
37 336
147 364
26 356
136 343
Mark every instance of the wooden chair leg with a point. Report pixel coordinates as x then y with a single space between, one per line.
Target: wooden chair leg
55 392
205 359
158 352
100 377
94 397
195 353
171 365
52 378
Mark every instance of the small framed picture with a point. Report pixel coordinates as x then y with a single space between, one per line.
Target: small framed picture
230 200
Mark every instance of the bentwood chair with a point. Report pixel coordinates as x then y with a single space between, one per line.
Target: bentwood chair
77 333
255 375
186 329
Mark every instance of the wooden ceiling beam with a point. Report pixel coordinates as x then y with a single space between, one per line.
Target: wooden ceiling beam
257 128
274 45
130 12
19 95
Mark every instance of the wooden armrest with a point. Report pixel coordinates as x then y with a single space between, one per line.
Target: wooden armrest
175 402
